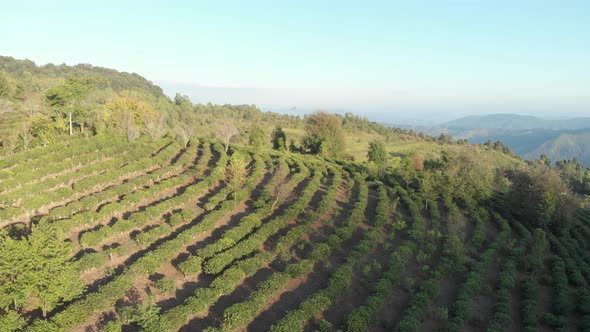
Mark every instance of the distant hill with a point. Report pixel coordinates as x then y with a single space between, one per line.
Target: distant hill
565 146
517 122
528 136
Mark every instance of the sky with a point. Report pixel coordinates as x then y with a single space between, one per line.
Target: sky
418 58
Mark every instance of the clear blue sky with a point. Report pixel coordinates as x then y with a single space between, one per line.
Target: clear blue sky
436 56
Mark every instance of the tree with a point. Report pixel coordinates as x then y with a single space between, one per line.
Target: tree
25 135
406 172
54 279
156 127
145 315
236 172
40 265
539 196
226 131
256 138
377 153
12 321
428 188
68 98
279 139
129 112
587 181
572 172
324 135
184 132
15 281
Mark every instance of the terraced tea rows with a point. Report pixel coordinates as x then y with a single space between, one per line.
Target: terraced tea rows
164 240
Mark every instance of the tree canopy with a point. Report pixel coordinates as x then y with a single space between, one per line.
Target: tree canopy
324 135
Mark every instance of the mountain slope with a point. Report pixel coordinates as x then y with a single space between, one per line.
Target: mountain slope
516 122
565 146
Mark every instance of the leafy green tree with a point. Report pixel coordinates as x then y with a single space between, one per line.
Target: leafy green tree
145 315
324 135
40 265
377 153
256 138
539 196
428 188
54 278
15 276
572 172
453 248
236 172
279 139
12 321
406 172
67 98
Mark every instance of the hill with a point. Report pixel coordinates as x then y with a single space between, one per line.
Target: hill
516 122
529 137
565 146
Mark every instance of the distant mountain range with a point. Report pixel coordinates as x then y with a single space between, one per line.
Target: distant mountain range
527 136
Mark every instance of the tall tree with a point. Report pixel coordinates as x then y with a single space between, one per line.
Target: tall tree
236 172
377 153
68 96
54 278
226 131
324 135
279 139
539 196
256 138
15 276
428 188
39 265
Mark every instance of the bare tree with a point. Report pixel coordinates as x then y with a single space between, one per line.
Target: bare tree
226 131
131 129
25 135
156 127
184 131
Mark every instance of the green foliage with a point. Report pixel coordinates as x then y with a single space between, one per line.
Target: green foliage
191 265
377 153
90 261
145 315
42 267
324 135
236 172
165 285
257 137
539 197
12 321
279 139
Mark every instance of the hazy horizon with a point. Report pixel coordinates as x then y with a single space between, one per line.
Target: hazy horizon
388 60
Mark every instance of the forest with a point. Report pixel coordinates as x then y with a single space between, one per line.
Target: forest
124 210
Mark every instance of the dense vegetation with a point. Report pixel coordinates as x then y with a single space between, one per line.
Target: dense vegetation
160 217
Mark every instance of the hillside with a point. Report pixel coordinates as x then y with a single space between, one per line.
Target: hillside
227 219
37 102
301 243
516 122
528 137
566 146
